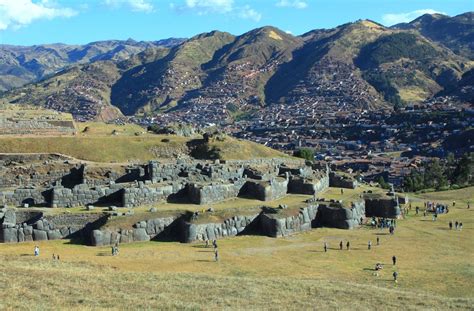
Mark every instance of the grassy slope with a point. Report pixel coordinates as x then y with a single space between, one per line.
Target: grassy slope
434 264
98 144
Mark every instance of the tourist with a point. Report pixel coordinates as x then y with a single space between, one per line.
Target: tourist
342 191
450 225
468 205
207 243
460 226
216 255
369 245
348 245
417 209
325 247
214 243
57 258
37 250
394 260
395 275
54 257
454 203
456 225
340 245
113 250
378 241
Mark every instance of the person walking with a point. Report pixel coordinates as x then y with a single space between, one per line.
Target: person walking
325 247
37 251
216 255
395 276
348 245
340 246
450 225
460 226
456 224
369 245
394 260
378 241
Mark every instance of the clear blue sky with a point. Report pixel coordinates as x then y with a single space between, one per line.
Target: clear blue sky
28 22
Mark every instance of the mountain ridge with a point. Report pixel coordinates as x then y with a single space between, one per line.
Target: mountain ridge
358 65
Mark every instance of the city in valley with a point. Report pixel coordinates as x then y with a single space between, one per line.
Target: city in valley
323 162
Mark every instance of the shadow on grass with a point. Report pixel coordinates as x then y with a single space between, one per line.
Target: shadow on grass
27 255
200 246
203 260
103 254
382 233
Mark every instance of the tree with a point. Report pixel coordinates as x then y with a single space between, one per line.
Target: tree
383 183
305 153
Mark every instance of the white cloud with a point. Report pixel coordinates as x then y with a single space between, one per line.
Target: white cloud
19 13
135 5
209 6
203 7
396 18
297 4
248 13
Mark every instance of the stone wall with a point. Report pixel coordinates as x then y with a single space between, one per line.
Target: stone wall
148 194
274 225
214 192
266 190
335 216
382 207
21 226
145 230
214 231
311 186
21 196
340 181
82 195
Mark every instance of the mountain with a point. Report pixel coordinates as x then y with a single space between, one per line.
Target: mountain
83 90
456 33
160 84
219 76
20 65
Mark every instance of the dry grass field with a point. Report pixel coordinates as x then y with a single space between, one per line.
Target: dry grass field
435 267
100 142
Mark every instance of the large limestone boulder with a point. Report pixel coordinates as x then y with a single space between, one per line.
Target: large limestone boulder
139 234
9 235
40 235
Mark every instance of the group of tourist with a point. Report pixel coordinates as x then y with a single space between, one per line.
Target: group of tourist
457 225
437 208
